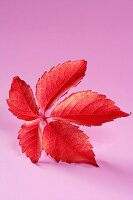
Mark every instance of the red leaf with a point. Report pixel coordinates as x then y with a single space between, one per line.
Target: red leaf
55 83
21 101
62 140
65 142
87 108
30 137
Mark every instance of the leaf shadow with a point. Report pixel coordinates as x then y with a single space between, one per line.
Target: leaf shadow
8 123
9 127
112 175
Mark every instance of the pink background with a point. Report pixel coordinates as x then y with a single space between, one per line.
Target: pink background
37 34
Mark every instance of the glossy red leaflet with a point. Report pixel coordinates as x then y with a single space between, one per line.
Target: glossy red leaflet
65 142
87 108
30 136
21 100
55 83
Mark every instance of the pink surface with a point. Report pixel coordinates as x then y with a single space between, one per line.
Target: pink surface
35 35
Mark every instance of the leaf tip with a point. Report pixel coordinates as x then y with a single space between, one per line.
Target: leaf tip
124 114
93 162
34 161
85 62
96 165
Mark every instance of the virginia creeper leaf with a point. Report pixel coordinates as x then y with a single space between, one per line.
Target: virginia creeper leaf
65 142
87 108
61 140
55 83
30 136
21 101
